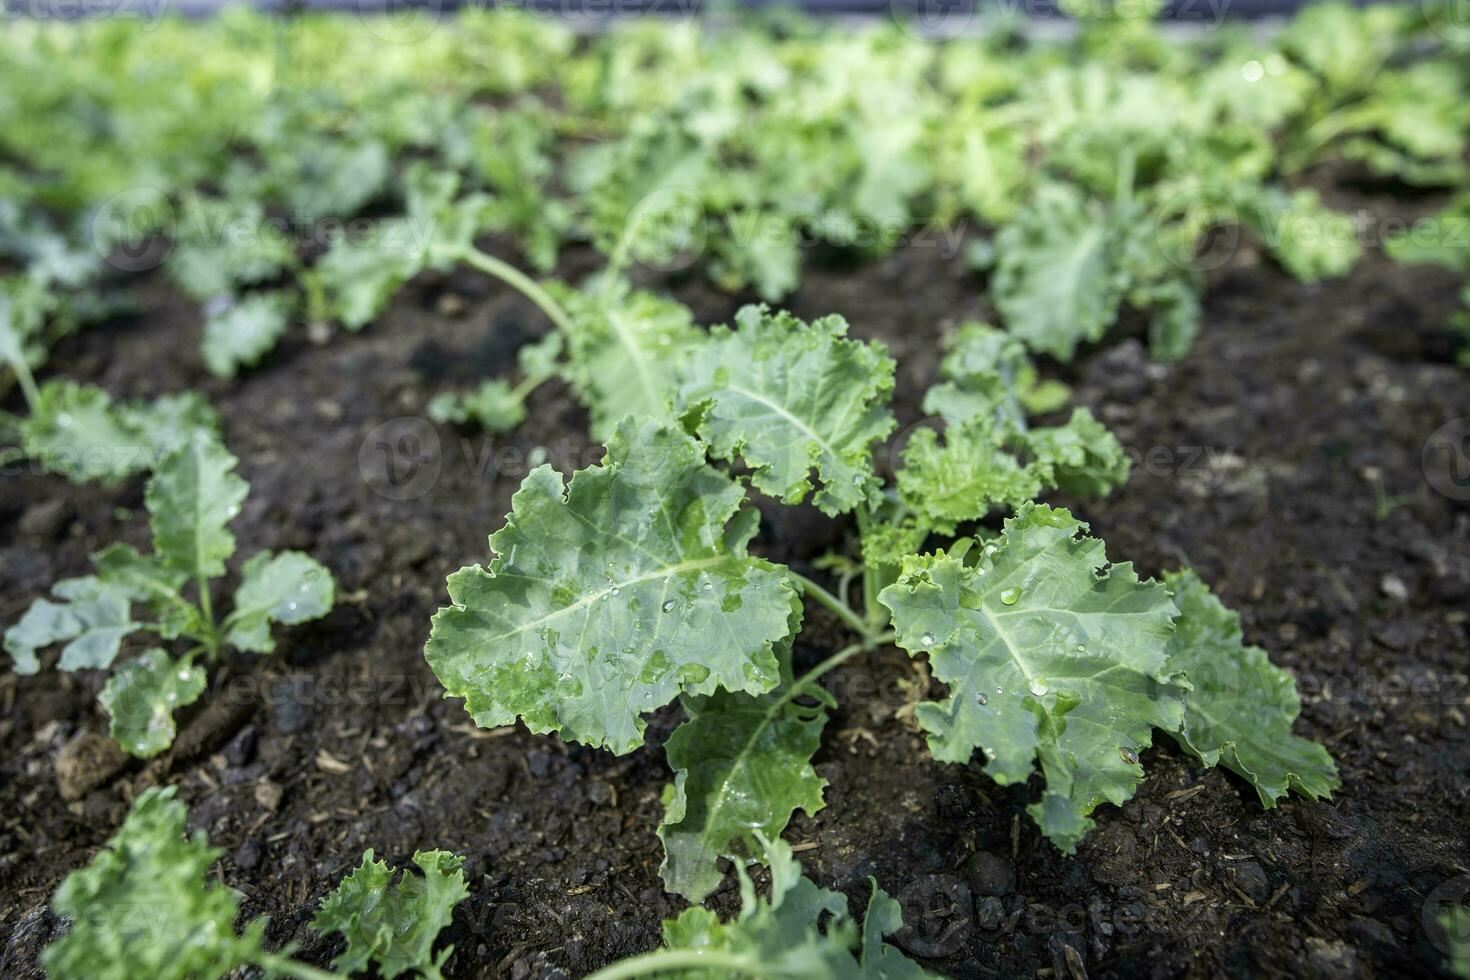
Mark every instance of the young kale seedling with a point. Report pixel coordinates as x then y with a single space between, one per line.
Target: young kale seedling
191 499
631 587
143 908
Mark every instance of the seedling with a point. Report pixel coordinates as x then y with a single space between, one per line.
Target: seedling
143 907
191 499
631 587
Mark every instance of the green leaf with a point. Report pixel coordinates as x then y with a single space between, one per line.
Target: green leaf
287 588
964 478
190 498
146 579
623 354
1059 277
1081 457
1240 708
802 932
612 595
788 397
79 432
988 374
245 332
881 961
1309 239
1050 654
782 937
141 908
224 244
393 925
741 764
140 698
359 276
494 407
94 619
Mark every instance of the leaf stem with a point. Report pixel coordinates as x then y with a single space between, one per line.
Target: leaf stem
663 960
815 673
841 609
26 380
523 283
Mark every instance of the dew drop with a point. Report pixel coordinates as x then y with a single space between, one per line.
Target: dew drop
857 479
1000 690
616 590
980 698
668 605
184 675
927 640
1129 756
1010 596
707 586
1082 648
290 607
1038 686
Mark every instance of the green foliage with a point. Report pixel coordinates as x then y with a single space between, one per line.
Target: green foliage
244 332
496 406
801 932
1060 278
143 907
78 431
624 351
140 697
1240 707
191 498
742 766
626 580
1051 654
789 397
392 925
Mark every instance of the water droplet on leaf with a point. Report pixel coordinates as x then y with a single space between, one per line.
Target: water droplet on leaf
668 605
927 640
1010 596
1129 756
980 698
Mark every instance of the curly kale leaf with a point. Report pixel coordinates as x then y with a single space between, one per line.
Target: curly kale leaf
624 352
741 765
1240 707
803 932
287 588
140 698
789 397
393 924
1051 655
1060 276
142 908
965 476
79 432
244 332
191 498
612 595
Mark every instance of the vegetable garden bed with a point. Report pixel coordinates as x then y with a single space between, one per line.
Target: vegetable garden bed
1282 458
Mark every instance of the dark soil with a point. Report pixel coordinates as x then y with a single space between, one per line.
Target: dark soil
1281 459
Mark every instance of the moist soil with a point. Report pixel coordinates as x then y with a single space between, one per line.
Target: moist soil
1282 459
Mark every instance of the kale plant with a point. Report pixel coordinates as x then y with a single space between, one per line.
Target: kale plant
191 498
